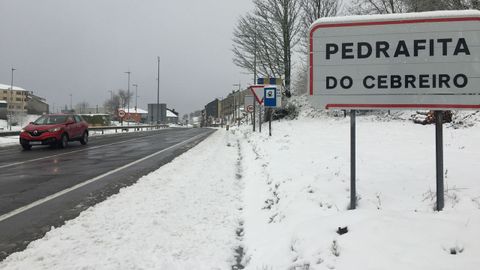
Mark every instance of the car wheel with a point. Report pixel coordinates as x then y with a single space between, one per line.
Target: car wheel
84 139
63 143
26 146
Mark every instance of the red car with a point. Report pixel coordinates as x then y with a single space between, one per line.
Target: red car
54 129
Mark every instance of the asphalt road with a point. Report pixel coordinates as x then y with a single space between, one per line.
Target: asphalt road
45 187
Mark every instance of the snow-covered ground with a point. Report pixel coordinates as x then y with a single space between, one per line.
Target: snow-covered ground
171 219
281 200
9 140
21 122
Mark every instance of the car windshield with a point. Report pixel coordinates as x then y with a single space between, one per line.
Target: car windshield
51 120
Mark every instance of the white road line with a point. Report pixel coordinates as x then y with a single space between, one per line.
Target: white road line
65 191
71 152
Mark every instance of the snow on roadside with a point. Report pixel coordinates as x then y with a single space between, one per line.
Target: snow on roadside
297 195
9 140
182 216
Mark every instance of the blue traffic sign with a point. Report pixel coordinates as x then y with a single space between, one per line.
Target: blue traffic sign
270 97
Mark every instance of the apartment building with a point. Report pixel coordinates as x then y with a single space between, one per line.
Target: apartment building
16 99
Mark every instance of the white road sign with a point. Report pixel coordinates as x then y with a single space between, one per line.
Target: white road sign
257 91
248 102
425 60
121 113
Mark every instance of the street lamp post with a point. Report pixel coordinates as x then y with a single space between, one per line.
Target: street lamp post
128 97
10 102
236 105
158 90
136 95
71 103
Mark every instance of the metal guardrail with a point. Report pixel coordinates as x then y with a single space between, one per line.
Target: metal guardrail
102 129
9 133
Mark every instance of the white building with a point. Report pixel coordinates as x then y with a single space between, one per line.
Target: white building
16 99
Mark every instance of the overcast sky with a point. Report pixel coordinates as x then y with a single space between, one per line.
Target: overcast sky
84 47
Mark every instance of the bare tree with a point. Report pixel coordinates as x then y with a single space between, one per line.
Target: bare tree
281 18
399 6
124 97
312 10
112 105
265 39
249 52
363 7
117 101
428 5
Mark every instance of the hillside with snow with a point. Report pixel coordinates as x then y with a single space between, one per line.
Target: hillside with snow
246 200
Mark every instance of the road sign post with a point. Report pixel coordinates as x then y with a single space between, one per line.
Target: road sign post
253 115
258 92
413 61
260 119
121 114
272 99
353 161
439 159
249 103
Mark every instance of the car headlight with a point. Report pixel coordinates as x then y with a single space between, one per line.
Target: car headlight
22 130
54 129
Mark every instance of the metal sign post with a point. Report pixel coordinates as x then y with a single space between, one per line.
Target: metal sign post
121 114
260 119
257 91
353 161
439 158
270 111
249 107
272 98
254 112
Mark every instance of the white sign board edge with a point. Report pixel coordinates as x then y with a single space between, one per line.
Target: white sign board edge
347 33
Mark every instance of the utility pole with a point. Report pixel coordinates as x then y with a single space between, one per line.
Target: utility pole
236 105
111 100
158 90
10 102
136 95
128 97
71 103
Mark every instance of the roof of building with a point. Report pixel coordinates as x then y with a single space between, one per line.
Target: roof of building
132 110
171 114
3 101
7 87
